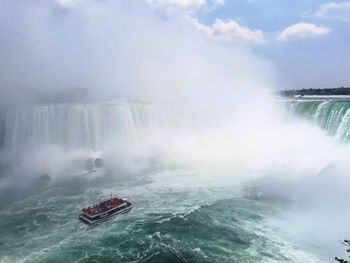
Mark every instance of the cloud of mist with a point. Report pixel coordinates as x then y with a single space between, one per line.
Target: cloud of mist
221 91
125 48
112 47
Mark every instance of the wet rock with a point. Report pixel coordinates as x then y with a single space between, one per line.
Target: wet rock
99 162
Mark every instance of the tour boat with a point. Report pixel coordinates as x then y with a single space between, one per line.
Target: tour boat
105 210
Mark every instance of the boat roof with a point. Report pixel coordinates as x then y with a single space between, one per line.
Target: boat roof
103 206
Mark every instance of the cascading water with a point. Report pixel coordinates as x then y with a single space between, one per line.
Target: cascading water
333 116
75 126
182 212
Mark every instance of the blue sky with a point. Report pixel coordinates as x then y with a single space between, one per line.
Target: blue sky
314 60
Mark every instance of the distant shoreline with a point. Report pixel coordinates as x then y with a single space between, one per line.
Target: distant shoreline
329 92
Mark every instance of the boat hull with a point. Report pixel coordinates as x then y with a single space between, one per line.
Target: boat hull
92 221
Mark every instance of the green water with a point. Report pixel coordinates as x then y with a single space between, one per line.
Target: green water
332 115
186 221
178 216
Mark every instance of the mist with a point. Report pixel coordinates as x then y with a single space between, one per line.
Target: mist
217 99
97 46
108 49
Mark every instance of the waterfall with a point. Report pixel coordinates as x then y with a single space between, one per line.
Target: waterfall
77 125
333 116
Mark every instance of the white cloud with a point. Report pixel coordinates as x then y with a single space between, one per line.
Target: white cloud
160 4
221 2
302 31
171 7
231 32
168 7
177 3
67 3
339 10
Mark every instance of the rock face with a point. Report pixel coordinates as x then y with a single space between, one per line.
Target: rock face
99 162
44 178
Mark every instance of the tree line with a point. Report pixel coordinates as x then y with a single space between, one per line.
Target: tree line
307 92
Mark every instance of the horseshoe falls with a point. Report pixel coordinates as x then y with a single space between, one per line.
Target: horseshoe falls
333 116
187 208
75 126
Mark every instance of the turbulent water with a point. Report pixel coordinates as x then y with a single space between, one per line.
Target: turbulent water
180 215
331 115
171 222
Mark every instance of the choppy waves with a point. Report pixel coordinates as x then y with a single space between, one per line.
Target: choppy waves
178 224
